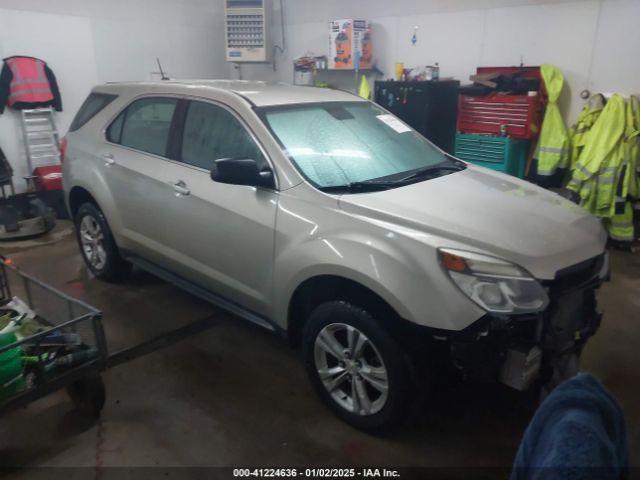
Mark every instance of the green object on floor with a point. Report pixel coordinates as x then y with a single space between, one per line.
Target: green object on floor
5 319
28 327
498 153
11 378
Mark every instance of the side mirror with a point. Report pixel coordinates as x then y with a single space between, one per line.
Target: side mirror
241 171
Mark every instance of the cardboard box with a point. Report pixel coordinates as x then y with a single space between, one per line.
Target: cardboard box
350 45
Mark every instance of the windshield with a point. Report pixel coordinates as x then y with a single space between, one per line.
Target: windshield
345 144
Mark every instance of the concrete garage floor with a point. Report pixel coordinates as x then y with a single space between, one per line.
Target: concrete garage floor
238 396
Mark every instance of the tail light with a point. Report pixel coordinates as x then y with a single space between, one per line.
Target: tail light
63 148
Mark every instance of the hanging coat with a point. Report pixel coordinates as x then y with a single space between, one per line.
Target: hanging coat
27 82
597 171
552 152
636 192
620 226
631 163
364 90
579 130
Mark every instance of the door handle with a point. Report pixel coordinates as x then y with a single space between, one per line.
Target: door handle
181 188
108 159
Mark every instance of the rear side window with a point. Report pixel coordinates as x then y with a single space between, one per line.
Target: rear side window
145 125
94 103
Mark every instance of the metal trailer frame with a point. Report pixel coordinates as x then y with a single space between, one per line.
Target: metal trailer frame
89 370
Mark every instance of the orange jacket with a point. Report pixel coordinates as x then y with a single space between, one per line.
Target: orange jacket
27 82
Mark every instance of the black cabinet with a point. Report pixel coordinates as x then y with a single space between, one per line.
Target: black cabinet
429 107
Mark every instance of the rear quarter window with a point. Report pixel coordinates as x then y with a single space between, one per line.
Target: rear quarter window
94 103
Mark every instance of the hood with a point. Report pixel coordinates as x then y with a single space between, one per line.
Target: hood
492 213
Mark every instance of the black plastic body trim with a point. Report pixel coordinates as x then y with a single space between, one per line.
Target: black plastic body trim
202 293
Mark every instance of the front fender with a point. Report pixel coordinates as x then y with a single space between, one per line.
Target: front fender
402 272
328 257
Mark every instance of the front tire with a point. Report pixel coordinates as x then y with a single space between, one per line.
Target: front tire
356 367
97 245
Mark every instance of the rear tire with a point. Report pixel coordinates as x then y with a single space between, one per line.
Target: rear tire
98 248
348 355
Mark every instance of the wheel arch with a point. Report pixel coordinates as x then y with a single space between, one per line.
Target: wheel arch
78 196
322 288
93 189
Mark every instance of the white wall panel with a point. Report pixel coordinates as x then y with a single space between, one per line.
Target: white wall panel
188 12
384 32
616 55
193 52
66 44
306 11
454 40
127 51
94 41
561 35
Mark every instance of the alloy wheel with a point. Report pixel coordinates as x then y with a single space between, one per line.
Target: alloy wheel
92 240
351 369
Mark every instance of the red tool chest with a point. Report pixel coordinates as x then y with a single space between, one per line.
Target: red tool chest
516 116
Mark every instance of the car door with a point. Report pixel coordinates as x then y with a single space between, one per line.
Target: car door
134 157
221 236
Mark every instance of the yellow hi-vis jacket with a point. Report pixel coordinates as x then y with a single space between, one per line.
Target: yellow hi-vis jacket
364 90
597 171
631 185
620 226
552 151
579 130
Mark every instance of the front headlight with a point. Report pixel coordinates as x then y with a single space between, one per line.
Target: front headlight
495 285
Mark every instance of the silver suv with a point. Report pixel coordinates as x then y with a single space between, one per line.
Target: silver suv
319 215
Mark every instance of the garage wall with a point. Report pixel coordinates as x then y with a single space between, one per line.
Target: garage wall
594 42
67 45
87 42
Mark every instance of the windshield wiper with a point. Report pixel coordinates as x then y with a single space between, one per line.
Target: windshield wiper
430 171
374 185
358 187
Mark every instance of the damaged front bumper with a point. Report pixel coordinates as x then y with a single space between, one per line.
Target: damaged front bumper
518 350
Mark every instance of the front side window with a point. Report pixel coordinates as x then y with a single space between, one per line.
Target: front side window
114 132
145 125
341 144
211 133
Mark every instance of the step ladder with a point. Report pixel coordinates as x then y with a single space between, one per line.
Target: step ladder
41 140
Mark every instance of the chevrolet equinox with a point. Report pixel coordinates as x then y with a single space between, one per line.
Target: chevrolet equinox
318 215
